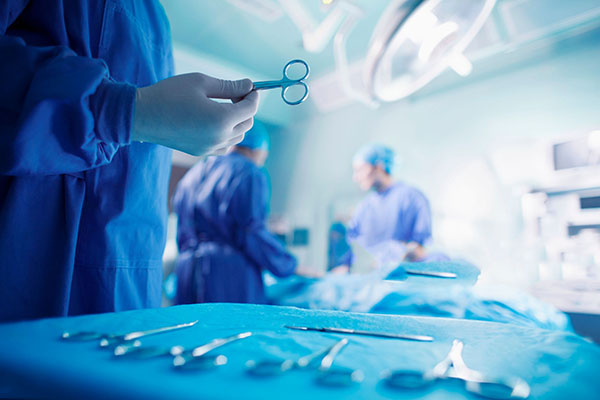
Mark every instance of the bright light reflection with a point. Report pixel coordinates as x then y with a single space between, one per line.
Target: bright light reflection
434 37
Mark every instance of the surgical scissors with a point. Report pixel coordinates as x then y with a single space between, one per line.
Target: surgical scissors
453 366
136 350
337 376
109 339
195 357
270 367
287 82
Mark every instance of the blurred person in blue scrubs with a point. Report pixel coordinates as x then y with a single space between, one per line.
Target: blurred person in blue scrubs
339 252
394 221
88 108
222 205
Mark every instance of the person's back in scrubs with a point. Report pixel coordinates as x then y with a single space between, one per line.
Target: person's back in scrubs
224 245
74 191
339 252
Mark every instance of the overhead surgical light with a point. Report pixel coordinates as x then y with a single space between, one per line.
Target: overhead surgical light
316 34
412 42
415 40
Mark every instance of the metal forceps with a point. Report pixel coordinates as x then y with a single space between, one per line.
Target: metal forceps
288 82
453 366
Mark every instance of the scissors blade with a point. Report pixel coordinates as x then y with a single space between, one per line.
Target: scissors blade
327 361
139 334
198 354
418 338
201 350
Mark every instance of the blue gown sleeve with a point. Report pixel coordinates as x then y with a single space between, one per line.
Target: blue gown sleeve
421 230
60 113
354 231
249 205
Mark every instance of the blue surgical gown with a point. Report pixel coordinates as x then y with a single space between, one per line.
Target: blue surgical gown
399 214
224 245
339 251
82 209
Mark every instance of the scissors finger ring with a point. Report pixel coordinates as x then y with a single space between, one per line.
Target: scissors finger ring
293 89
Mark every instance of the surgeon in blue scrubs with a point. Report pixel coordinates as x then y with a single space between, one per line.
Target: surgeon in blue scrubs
88 107
394 221
224 245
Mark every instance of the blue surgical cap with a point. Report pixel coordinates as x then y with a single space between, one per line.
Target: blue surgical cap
257 138
376 155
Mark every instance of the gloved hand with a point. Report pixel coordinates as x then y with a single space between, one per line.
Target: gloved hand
178 113
340 270
414 252
308 272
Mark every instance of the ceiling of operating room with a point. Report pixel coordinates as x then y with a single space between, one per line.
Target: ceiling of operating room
250 45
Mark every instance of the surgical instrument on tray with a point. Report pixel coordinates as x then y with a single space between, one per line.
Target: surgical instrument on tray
196 357
114 339
337 376
418 338
453 366
270 367
433 274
